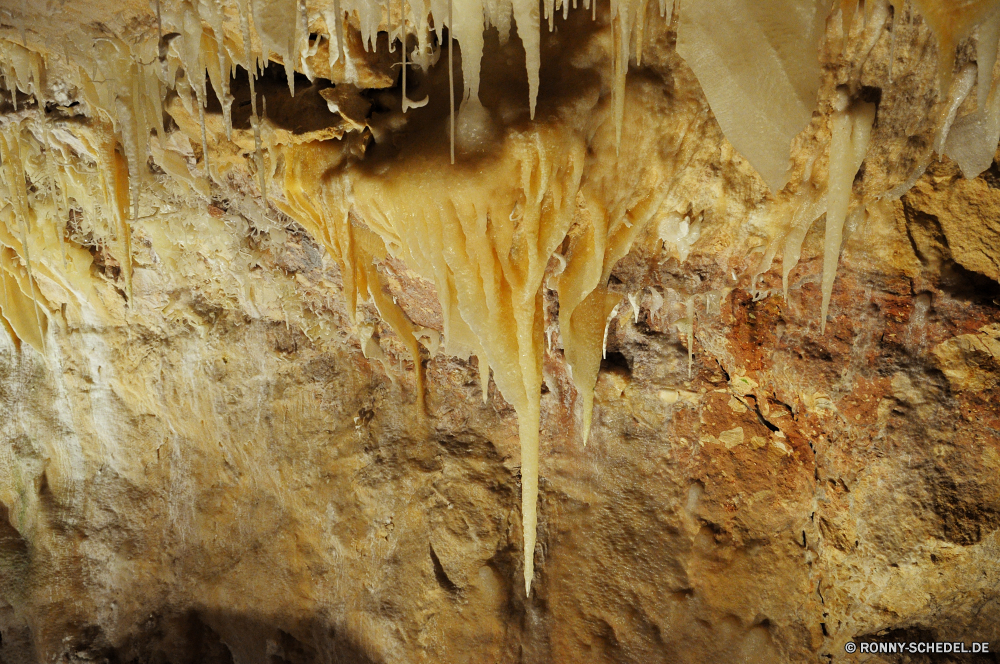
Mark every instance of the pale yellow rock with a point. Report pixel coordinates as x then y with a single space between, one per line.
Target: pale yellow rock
732 437
971 362
736 405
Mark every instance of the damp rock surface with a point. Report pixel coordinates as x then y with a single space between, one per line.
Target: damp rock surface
280 382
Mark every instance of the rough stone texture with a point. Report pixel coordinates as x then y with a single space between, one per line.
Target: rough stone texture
221 476
964 212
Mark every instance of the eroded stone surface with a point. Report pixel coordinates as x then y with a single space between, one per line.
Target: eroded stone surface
221 474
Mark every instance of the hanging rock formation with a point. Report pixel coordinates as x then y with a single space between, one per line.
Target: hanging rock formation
498 331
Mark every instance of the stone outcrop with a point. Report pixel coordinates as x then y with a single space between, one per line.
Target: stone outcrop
213 456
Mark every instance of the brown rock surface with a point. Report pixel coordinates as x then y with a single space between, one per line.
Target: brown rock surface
222 470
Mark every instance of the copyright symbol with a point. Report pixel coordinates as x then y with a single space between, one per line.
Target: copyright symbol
850 646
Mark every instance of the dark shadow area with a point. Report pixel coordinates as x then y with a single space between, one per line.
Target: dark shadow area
197 637
930 244
616 361
919 635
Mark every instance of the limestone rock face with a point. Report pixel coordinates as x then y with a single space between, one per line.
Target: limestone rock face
236 427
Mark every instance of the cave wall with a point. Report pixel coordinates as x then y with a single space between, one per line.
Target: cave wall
223 460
